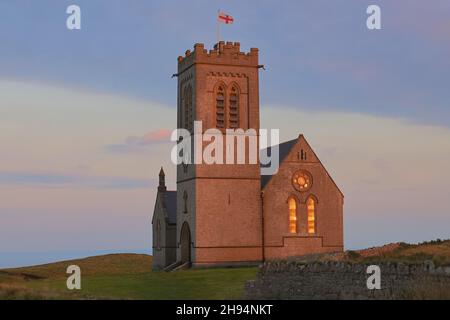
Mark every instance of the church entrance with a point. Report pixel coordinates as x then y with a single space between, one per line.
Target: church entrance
185 239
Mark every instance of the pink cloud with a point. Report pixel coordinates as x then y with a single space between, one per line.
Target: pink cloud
157 136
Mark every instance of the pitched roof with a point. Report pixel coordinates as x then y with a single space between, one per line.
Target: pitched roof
284 149
171 206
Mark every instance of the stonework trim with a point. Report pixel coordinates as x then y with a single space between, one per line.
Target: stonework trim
215 64
216 178
313 236
314 197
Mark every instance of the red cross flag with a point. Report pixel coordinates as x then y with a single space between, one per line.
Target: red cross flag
225 18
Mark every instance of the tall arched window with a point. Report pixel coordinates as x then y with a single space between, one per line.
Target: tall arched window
188 110
311 206
158 234
220 107
292 215
234 108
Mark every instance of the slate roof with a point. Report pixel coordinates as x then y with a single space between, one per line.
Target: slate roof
171 206
284 149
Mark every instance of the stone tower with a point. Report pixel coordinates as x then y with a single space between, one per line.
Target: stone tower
219 205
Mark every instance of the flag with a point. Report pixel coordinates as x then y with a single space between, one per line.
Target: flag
225 18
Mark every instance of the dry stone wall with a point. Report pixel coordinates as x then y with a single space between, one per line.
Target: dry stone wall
344 280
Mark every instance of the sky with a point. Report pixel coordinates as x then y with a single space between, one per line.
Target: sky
85 115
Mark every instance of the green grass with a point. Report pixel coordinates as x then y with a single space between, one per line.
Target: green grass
123 277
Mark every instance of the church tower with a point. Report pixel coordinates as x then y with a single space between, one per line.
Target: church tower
219 205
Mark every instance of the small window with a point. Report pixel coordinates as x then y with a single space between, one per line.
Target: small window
185 199
292 215
302 155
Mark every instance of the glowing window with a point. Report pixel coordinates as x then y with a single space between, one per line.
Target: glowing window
311 215
292 215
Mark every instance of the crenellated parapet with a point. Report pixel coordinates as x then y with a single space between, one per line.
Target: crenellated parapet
224 53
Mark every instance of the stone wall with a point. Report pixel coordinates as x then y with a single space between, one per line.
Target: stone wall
329 280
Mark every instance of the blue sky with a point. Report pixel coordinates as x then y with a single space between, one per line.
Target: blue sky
83 113
318 53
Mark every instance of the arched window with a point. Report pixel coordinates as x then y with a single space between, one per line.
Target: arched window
158 234
188 111
185 199
292 215
311 206
234 108
220 107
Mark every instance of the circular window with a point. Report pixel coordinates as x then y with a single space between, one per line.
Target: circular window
302 180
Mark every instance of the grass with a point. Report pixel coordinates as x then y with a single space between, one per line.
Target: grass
437 251
123 276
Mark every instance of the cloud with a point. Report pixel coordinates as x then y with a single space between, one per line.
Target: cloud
157 136
27 179
140 144
70 129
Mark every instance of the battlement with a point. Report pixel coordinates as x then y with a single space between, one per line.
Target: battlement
224 53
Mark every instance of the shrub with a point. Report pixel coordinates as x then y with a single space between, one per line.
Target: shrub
353 255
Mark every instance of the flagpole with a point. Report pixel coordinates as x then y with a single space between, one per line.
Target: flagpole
218 28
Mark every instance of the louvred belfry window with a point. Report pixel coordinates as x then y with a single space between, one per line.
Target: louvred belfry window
234 108
220 107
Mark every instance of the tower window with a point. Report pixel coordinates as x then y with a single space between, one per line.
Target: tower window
311 206
188 109
292 215
220 107
234 108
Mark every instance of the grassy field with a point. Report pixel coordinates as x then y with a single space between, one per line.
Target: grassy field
123 276
129 276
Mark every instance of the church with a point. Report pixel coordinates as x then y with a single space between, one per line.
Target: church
231 215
